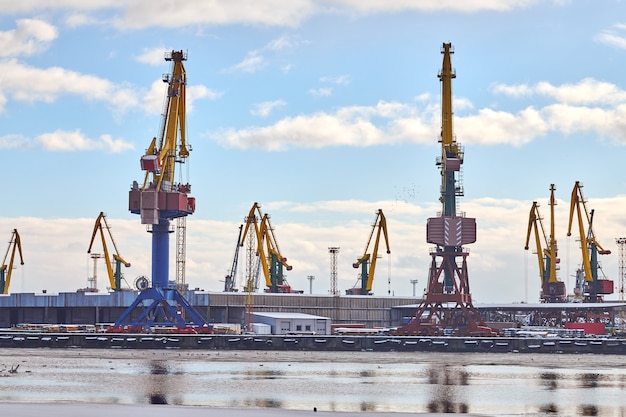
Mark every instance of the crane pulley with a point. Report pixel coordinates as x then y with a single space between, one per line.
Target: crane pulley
115 278
368 261
5 271
590 247
552 290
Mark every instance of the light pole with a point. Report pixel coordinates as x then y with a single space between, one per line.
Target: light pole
310 278
413 281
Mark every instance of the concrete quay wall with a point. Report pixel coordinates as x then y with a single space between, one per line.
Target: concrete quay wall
15 339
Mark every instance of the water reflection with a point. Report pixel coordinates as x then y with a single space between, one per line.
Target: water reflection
490 384
445 398
548 379
157 389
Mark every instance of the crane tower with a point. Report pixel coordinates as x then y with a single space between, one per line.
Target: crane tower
159 200
621 244
448 303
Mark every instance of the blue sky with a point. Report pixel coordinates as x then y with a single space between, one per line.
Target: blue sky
323 112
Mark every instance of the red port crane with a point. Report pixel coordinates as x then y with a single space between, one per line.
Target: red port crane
448 302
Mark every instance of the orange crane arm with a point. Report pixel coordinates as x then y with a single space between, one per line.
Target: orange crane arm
14 243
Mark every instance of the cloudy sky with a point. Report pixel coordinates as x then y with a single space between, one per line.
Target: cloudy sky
323 111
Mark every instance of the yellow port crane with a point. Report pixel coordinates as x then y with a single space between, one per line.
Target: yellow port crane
552 290
5 272
593 286
115 278
367 262
272 262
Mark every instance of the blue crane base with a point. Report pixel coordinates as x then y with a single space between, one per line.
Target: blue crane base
156 308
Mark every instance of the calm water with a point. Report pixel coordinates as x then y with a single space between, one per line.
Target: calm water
489 384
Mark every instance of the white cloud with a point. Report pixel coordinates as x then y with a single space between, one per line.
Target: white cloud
586 91
264 109
348 126
253 62
26 83
61 140
163 13
321 92
340 79
30 36
612 36
140 14
154 56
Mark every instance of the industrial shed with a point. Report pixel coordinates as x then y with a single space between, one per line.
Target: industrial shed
293 323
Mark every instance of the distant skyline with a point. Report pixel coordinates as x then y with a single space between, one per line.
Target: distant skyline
323 111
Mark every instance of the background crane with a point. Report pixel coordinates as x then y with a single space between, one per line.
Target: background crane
161 198
271 261
115 277
6 271
230 281
368 261
593 287
552 290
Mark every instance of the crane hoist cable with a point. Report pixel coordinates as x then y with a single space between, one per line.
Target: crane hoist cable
114 277
5 272
367 274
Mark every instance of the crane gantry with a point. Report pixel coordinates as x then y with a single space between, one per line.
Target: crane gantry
160 199
367 262
448 303
6 271
593 287
115 277
552 290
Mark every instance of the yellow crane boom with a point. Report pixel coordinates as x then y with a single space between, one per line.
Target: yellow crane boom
5 272
367 274
114 277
